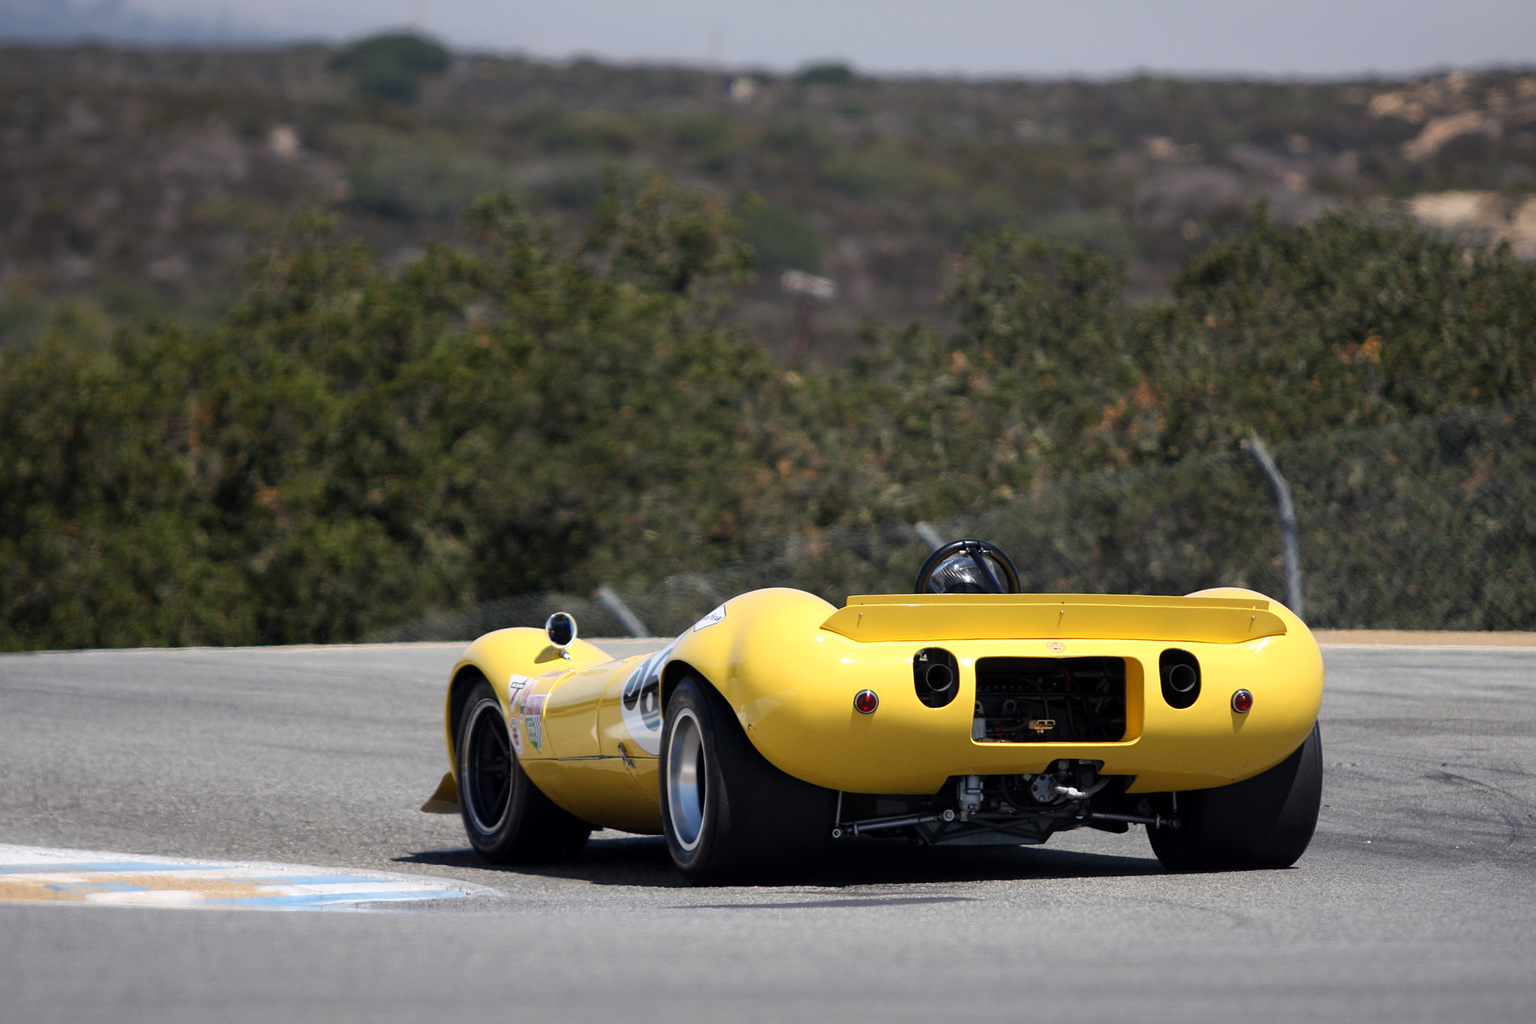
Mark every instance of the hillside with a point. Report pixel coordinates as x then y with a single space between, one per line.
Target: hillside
311 345
138 182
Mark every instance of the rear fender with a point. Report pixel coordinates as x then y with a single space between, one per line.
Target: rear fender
790 664
731 648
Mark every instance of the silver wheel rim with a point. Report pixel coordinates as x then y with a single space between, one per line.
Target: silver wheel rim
686 781
486 767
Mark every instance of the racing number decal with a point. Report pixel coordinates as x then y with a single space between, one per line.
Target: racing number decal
640 703
642 708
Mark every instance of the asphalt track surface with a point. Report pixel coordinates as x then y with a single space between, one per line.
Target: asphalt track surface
1416 901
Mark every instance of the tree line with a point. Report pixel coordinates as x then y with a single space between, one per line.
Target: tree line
355 445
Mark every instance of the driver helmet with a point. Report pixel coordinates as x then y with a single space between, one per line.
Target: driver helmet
957 574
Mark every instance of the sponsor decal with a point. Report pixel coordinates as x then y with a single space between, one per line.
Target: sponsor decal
516 686
533 711
718 615
640 704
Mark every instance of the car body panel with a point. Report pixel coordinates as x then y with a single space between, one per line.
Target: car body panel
588 728
555 705
872 618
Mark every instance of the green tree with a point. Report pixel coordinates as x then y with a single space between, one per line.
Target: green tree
391 65
1020 387
1345 322
351 447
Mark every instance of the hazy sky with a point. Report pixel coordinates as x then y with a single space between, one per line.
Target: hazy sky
1016 37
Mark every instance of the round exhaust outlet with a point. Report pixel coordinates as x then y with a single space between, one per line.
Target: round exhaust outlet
1180 672
936 676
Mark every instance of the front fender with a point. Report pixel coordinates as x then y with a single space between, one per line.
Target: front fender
498 656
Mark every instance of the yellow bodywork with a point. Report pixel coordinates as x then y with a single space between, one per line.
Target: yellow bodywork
789 664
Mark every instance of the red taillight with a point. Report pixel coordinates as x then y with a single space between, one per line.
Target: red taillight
865 702
1242 700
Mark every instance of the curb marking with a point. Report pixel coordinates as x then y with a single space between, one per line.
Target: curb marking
34 874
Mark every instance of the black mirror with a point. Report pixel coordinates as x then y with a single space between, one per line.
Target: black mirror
561 629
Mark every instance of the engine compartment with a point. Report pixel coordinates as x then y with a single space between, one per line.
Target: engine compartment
1049 700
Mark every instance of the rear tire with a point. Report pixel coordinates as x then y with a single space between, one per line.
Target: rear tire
508 820
1263 822
729 816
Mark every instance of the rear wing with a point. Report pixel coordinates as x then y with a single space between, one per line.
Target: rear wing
923 617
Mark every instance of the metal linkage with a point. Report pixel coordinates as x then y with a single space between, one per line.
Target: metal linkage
856 828
1153 821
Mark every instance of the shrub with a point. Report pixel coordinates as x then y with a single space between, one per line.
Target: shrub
391 65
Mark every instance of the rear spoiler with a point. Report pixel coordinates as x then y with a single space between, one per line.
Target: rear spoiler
923 617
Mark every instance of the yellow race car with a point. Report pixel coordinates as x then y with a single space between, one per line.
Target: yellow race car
964 713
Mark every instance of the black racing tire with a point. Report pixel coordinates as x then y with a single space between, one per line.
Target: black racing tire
507 818
1260 823
729 816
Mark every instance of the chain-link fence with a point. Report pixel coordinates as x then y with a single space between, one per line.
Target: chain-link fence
1429 524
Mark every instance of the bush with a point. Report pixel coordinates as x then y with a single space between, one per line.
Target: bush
415 182
781 238
825 73
352 447
884 169
1346 322
391 65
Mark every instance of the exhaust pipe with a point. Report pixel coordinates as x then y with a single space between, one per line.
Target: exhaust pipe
1180 671
939 677
1180 678
935 676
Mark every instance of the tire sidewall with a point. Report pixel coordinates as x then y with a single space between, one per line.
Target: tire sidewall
1265 822
691 702
492 842
760 825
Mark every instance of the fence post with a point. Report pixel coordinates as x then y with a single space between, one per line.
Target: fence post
1288 544
928 535
628 619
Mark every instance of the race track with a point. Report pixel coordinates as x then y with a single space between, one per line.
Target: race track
1416 901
